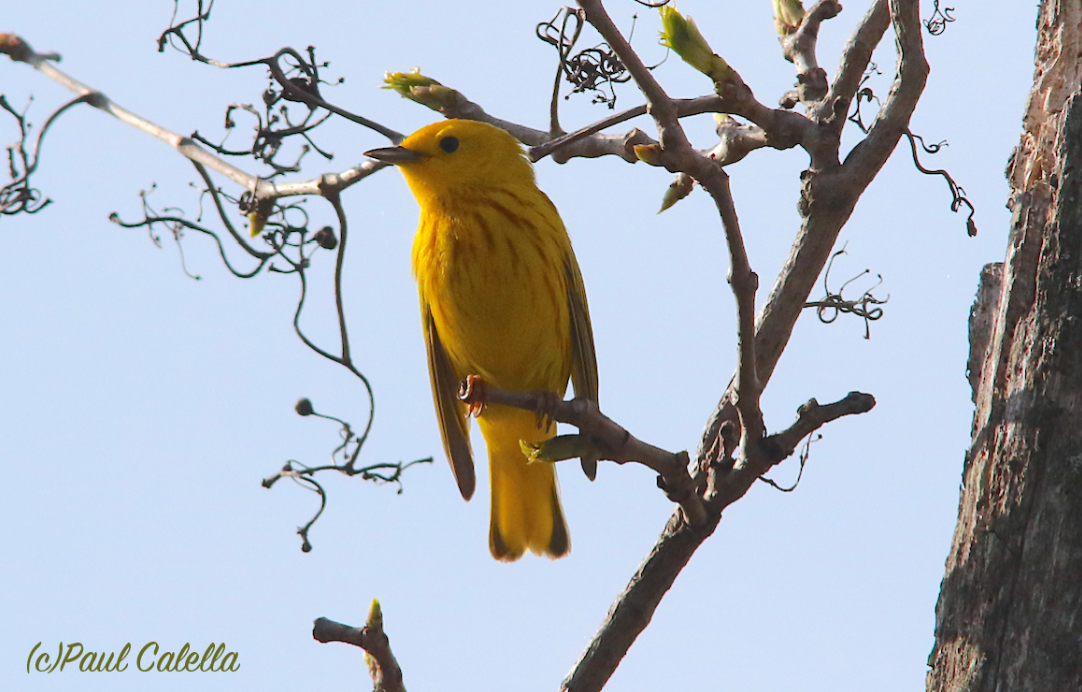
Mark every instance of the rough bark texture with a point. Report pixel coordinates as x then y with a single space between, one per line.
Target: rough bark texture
1009 617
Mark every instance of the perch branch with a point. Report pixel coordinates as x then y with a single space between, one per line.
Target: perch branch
611 442
632 610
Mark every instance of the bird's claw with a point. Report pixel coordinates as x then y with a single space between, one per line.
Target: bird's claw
473 391
546 409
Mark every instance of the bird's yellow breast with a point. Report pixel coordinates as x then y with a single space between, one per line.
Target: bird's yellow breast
490 264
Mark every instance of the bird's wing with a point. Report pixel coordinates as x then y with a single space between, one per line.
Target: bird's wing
583 358
449 410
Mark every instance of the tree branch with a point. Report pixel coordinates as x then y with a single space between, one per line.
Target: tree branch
634 607
799 49
382 665
608 440
20 51
678 156
829 194
868 156
855 58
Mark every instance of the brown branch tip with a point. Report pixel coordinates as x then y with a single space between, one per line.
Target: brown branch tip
382 665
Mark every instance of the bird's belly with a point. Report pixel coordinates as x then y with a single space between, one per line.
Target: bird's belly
503 314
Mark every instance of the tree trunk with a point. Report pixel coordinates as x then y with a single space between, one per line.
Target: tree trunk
1009 617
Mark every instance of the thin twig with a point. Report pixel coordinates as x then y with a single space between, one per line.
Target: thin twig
186 145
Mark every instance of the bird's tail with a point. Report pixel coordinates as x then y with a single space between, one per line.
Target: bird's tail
526 510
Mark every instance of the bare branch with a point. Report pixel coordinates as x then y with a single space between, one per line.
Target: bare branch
736 140
892 121
311 96
264 190
855 58
632 610
780 129
744 283
95 98
382 665
830 192
811 416
725 486
799 49
678 156
586 143
608 440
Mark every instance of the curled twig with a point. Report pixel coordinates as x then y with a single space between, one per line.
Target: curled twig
591 69
343 458
308 483
958 195
864 95
563 40
172 219
937 23
804 454
833 304
175 35
18 197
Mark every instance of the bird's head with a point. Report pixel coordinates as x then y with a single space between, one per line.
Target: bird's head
454 155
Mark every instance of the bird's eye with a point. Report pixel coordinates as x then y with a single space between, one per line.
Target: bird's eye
449 144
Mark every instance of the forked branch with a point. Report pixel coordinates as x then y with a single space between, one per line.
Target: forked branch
632 610
382 665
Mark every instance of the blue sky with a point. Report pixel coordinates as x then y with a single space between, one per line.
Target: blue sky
142 408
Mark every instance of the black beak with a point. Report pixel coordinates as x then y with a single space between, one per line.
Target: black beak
395 155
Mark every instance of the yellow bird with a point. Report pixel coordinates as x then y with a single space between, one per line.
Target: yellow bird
501 298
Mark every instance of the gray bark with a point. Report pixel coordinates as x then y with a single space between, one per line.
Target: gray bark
1009 617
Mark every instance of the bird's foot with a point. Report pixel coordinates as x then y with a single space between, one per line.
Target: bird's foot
546 409
473 391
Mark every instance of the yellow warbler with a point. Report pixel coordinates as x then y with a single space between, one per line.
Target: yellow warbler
501 298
